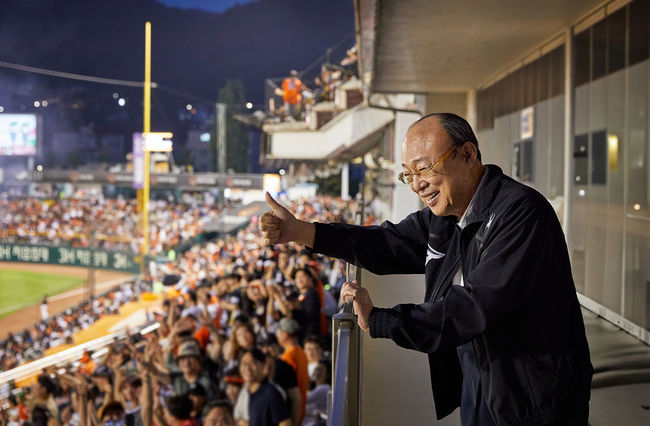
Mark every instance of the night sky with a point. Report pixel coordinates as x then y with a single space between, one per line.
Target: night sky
207 5
197 46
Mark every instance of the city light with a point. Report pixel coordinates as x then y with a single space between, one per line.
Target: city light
37 104
249 105
188 107
121 102
39 168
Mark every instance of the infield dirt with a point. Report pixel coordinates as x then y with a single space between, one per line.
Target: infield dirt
26 317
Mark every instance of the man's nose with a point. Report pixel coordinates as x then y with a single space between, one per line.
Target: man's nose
418 183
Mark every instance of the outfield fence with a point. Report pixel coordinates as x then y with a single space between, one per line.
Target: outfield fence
69 256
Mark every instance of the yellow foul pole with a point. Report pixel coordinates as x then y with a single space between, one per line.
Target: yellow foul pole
147 129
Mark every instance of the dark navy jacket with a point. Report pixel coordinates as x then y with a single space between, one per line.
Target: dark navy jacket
518 305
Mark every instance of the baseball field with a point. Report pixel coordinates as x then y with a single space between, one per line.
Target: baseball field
20 288
23 285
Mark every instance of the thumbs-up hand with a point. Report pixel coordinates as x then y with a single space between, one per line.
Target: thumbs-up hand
280 226
276 225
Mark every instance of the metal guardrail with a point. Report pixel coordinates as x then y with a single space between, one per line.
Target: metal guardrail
69 355
345 408
32 368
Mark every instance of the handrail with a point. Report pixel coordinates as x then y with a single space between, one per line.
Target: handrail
345 408
31 368
340 388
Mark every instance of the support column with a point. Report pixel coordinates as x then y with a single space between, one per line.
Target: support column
568 136
471 108
404 200
345 181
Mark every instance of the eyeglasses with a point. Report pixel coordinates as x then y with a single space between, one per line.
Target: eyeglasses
426 172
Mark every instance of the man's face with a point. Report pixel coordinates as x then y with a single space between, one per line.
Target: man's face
283 260
113 418
218 416
250 369
189 365
232 391
446 191
282 336
313 352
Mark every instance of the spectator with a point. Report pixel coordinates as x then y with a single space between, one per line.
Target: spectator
310 305
283 375
198 396
294 356
233 384
314 353
317 397
45 315
260 402
43 395
292 94
219 413
178 411
112 414
242 337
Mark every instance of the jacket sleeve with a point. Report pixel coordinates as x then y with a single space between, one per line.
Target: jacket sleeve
386 249
513 260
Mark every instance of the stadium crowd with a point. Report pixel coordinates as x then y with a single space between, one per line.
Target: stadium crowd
241 338
31 344
102 223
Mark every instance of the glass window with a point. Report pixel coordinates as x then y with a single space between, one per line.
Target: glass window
530 81
639 22
581 57
543 75
580 152
522 160
616 39
599 50
599 158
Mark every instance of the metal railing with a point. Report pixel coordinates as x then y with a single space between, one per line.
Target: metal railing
71 355
345 407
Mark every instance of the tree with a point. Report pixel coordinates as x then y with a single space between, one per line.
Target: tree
237 143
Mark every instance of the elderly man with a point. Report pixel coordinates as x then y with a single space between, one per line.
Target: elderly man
501 323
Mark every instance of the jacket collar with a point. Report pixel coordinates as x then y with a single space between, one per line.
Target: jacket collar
479 207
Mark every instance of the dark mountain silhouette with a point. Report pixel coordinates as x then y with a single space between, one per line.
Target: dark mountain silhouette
194 51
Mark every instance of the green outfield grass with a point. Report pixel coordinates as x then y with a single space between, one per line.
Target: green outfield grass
19 289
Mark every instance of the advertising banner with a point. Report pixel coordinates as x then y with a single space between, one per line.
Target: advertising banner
69 256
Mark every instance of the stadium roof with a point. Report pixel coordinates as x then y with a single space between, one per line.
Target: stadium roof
443 46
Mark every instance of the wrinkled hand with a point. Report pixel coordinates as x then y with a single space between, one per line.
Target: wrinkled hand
277 226
361 302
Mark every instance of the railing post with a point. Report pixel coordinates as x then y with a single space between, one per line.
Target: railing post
346 399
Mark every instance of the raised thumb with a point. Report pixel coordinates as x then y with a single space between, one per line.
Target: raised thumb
278 209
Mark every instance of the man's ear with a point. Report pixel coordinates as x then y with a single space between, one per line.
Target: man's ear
469 151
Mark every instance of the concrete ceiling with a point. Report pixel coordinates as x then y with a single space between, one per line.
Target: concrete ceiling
455 45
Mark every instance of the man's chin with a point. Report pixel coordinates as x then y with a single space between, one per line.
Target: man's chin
436 211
